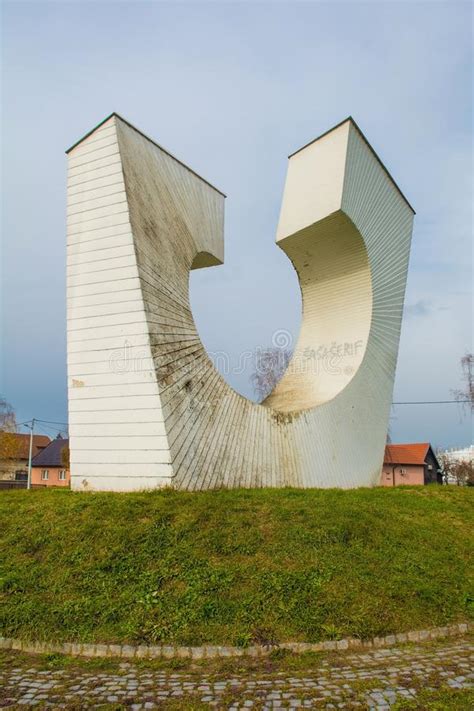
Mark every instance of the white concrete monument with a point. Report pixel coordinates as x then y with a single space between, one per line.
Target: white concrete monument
147 408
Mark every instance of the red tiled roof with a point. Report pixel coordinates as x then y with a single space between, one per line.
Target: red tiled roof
23 445
406 453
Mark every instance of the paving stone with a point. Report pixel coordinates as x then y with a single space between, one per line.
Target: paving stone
331 683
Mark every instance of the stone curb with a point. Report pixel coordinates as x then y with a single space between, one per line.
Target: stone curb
127 651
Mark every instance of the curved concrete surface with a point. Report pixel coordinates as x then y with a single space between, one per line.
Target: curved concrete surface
146 406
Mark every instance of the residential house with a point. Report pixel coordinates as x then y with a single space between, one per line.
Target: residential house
414 463
50 467
14 454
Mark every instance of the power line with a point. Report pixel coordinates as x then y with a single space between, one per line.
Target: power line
43 430
431 402
50 422
46 422
47 429
406 402
51 427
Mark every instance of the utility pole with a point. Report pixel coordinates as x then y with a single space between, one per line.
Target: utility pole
31 451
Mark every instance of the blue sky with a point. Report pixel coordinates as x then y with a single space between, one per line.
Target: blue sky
232 89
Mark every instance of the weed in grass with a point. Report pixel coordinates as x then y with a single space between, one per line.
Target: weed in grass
443 699
234 567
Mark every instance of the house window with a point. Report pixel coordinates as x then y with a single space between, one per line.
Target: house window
403 472
62 475
21 475
45 474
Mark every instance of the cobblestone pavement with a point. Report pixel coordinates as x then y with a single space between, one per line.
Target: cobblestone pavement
373 679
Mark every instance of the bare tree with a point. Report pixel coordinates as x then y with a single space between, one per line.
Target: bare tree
7 416
65 457
466 393
270 365
8 442
459 471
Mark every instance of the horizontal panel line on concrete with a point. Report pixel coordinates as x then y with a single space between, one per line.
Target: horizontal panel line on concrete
98 235
151 456
125 261
110 436
101 163
83 216
112 280
157 443
74 422
152 415
151 408
128 476
91 246
116 171
76 208
133 321
110 397
90 147
77 237
135 450
107 351
118 343
107 147
96 223
136 329
79 371
108 128
80 271
85 261
103 148
85 165
99 193
126 381
109 464
79 254
101 293
114 343
102 142
78 394
110 458
107 377
108 443
115 313
110 216
98 186
93 170
147 402
117 248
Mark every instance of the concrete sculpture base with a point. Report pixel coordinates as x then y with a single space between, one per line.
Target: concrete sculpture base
147 408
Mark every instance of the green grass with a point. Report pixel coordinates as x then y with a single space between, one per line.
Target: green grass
234 566
444 699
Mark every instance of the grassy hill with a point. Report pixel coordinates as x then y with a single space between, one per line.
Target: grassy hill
234 566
